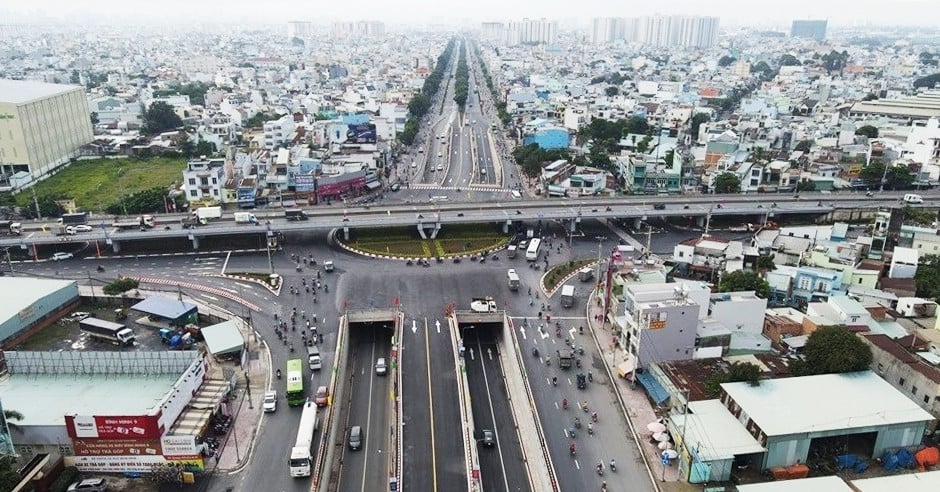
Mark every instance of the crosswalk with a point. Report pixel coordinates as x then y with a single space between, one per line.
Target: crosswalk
199 287
476 187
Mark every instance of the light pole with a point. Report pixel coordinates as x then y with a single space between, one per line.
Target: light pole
600 243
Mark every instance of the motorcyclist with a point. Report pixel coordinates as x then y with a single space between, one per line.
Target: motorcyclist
594 416
564 403
572 449
613 465
554 380
279 374
590 428
600 468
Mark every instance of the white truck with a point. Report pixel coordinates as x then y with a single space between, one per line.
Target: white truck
301 459
10 227
141 222
567 296
313 358
108 331
483 305
513 278
205 214
245 218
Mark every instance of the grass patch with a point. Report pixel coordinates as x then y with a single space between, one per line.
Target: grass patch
95 184
559 272
404 241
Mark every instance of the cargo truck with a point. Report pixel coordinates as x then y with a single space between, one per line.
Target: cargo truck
483 305
142 222
10 227
511 251
108 331
295 214
301 458
567 296
313 358
564 358
513 279
245 218
74 219
205 214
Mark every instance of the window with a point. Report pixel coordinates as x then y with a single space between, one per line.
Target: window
914 390
192 193
927 399
901 382
192 181
859 280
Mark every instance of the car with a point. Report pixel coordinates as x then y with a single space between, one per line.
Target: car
322 396
659 206
440 154
355 437
82 228
483 171
380 366
80 315
489 438
270 401
62 256
396 187
89 485
414 164
421 150
440 167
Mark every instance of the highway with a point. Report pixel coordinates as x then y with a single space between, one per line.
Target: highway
369 401
502 465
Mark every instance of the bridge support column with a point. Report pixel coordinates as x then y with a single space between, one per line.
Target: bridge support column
700 221
573 225
637 223
195 240
506 226
346 234
421 231
437 228
115 246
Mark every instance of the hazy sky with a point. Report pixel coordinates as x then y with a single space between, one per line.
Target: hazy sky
732 12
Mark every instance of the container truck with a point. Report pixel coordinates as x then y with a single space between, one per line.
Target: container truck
142 222
205 214
301 459
295 214
108 331
567 296
245 218
74 219
513 279
10 227
483 305
564 358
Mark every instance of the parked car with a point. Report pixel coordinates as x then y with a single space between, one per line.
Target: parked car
61 256
89 485
270 401
323 396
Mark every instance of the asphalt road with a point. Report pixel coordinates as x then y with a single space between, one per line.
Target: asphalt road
367 469
501 466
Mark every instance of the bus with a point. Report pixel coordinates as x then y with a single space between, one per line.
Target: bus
301 458
295 382
532 253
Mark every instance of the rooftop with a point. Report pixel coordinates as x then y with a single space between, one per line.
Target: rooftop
815 484
912 481
19 293
826 402
714 432
24 91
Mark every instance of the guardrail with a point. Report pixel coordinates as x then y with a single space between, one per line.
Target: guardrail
322 476
466 416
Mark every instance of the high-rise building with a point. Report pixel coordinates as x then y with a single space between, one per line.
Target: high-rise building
42 125
299 30
357 29
531 31
493 31
814 29
674 30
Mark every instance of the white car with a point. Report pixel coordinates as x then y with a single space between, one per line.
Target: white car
381 367
270 401
82 228
61 256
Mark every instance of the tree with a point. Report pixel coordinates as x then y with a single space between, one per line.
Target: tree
765 263
186 146
871 96
726 60
741 280
928 82
727 183
697 120
737 373
806 185
670 157
612 91
160 117
927 278
789 60
205 148
832 350
804 145
835 61
868 131
895 177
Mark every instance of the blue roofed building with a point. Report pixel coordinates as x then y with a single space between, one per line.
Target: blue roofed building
549 138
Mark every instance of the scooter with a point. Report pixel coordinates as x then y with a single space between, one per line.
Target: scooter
600 469
613 466
279 374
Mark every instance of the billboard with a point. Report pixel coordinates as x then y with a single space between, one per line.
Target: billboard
116 447
123 427
364 133
180 447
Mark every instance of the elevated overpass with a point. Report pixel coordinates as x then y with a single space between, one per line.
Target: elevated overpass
429 218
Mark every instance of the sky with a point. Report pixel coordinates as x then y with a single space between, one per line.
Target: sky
758 13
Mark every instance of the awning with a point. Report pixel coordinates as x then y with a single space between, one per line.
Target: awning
627 366
653 388
201 407
372 185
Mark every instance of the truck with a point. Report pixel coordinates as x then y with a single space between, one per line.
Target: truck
10 227
108 331
567 296
295 214
205 214
245 218
74 219
313 358
175 339
511 251
565 357
585 274
483 305
141 222
328 266
301 458
513 278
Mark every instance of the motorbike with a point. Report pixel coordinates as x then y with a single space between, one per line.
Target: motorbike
580 349
564 404
590 428
535 352
600 469
578 362
100 268
554 381
594 416
613 466
279 374
558 332
577 423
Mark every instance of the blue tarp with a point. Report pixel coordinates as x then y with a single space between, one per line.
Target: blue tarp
653 388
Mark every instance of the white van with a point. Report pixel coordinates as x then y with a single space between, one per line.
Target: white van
912 198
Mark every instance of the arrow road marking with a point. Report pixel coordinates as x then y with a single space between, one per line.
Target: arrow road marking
489 353
437 323
414 326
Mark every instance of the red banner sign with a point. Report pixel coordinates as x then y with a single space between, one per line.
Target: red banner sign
123 427
116 447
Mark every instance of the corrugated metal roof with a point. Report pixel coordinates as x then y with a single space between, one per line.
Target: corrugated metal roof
223 338
163 307
24 91
20 293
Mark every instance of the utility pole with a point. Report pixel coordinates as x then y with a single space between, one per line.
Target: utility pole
35 201
649 239
600 243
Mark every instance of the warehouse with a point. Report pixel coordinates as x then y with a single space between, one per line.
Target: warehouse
43 126
30 304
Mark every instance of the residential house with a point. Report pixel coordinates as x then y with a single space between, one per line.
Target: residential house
911 365
204 180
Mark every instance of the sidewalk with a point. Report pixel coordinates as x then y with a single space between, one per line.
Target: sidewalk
637 407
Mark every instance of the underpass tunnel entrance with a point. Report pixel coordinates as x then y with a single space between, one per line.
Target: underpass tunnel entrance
378 329
475 333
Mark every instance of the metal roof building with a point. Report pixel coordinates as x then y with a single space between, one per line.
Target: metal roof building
786 415
223 338
30 304
175 311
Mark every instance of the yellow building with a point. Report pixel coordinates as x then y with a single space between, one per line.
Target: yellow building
42 126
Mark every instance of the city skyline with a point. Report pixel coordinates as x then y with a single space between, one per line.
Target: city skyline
731 12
